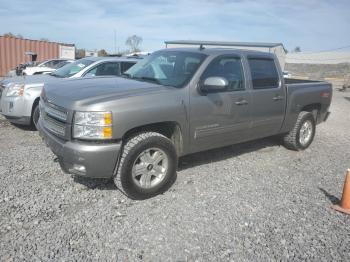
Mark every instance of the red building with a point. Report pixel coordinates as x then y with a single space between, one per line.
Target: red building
13 51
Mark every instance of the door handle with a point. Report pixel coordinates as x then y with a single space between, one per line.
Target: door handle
241 102
276 98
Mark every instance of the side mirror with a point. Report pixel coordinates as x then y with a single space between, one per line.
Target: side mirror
214 84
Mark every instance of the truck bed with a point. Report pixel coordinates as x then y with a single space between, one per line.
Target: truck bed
289 81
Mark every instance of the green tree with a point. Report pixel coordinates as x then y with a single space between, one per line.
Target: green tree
9 34
79 53
102 52
297 49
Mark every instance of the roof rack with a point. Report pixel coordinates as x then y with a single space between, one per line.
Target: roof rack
201 44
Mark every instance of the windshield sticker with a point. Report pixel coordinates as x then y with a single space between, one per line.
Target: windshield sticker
74 70
81 65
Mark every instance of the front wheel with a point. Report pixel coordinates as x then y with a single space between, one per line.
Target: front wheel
147 166
35 116
302 135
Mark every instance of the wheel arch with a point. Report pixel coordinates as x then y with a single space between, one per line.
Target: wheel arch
314 108
169 129
35 103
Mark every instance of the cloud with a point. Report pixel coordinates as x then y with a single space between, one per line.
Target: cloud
313 25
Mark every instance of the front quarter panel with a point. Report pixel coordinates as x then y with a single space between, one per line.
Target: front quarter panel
137 111
31 94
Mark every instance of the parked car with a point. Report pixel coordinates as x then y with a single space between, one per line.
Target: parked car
20 95
46 67
173 103
286 74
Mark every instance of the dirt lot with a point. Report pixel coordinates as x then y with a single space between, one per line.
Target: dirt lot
251 202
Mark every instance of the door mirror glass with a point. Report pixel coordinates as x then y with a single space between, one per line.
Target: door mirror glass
214 84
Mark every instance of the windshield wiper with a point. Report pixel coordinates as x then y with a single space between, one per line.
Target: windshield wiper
55 75
146 78
127 75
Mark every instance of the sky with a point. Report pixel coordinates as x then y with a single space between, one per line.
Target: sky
312 25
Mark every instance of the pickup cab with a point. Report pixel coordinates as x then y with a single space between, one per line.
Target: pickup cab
173 103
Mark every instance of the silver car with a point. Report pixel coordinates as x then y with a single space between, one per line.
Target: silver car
19 96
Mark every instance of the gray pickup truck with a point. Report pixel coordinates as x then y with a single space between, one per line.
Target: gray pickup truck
175 102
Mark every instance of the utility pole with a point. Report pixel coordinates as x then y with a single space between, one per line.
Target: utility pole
115 41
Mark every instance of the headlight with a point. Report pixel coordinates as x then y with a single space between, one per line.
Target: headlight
15 90
92 125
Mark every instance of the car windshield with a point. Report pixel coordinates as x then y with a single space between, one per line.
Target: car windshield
43 64
60 64
170 68
72 68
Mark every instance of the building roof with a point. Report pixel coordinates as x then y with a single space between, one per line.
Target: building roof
222 43
21 38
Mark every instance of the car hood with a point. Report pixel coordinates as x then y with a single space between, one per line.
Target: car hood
38 69
89 91
30 80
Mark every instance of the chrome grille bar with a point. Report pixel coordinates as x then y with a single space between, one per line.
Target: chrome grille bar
55 112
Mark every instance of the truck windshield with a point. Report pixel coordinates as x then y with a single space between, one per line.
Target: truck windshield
72 68
170 68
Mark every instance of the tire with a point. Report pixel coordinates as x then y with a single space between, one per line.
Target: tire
300 137
141 152
35 116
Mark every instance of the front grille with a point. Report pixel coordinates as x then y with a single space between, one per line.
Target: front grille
54 126
54 118
55 112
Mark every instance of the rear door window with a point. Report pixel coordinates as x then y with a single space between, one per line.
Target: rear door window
105 69
264 73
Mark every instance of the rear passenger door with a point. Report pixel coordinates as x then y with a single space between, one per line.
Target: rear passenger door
222 117
268 97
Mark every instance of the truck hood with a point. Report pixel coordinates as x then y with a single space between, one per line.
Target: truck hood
89 91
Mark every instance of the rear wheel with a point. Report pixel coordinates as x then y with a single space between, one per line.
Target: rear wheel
302 135
147 166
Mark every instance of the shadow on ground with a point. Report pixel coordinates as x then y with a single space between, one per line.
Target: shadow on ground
25 128
334 200
219 154
193 160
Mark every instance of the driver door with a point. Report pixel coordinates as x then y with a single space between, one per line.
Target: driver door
223 117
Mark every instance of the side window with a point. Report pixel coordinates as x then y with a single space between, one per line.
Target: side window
229 68
125 66
105 69
49 63
191 65
264 73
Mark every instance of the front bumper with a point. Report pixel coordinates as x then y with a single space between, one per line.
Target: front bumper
83 158
14 109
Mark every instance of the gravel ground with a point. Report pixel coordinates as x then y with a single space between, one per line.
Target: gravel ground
251 202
